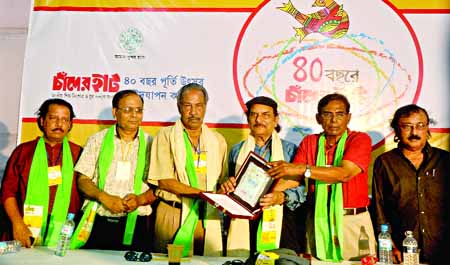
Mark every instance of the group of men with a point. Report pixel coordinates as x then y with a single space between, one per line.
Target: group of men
319 202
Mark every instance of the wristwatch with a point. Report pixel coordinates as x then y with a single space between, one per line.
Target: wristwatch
307 173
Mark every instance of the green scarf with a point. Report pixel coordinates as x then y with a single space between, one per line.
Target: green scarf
104 162
185 233
38 190
328 228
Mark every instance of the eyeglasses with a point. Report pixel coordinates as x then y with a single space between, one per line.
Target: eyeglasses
128 110
409 126
329 115
134 256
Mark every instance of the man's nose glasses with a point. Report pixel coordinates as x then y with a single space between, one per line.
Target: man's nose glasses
134 256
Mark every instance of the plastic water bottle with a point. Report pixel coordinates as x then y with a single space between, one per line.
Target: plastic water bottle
410 252
384 246
363 242
66 234
9 246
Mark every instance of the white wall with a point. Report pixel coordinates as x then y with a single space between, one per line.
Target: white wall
13 32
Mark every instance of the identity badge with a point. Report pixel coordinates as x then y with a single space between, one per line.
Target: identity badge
54 175
269 229
123 170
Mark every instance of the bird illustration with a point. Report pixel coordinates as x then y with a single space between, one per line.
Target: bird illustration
331 21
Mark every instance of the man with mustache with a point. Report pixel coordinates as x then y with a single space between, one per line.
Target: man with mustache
39 187
112 177
335 164
188 158
411 187
262 117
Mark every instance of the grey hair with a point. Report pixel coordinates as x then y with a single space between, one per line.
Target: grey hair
189 87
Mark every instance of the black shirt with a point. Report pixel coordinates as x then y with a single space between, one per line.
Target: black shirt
414 199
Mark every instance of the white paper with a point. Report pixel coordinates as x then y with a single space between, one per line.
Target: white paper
228 204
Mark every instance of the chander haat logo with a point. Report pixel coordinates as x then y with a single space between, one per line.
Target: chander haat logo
131 40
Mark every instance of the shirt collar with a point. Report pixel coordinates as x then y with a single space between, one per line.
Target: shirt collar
116 133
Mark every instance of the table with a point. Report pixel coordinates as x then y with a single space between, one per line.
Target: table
45 256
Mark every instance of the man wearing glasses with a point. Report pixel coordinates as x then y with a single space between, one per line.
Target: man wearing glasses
188 158
112 177
335 164
39 186
411 187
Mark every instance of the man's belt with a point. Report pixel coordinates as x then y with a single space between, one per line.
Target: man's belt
174 204
111 219
355 211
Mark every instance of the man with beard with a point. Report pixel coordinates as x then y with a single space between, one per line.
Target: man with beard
262 117
188 158
39 187
112 177
411 187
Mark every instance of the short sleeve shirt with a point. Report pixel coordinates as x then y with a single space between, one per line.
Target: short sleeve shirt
357 150
88 166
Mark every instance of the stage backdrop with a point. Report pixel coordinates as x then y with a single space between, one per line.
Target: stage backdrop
380 54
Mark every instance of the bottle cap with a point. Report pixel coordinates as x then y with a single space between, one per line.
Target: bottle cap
70 216
384 227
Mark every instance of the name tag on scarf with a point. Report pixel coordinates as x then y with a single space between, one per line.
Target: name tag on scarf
200 162
269 229
123 170
54 175
32 217
86 227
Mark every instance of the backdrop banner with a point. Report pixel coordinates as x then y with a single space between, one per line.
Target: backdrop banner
380 54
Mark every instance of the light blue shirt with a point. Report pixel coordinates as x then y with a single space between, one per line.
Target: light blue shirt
295 197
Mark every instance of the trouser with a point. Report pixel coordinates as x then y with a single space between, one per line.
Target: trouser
108 232
5 226
293 233
167 223
351 230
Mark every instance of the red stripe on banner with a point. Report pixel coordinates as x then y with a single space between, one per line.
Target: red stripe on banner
148 123
140 9
169 123
425 11
440 130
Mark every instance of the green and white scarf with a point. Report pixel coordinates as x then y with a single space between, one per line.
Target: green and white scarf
38 190
328 226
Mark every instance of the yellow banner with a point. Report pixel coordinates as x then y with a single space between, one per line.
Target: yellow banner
400 4
149 4
421 4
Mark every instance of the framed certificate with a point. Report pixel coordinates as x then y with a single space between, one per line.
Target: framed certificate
252 183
